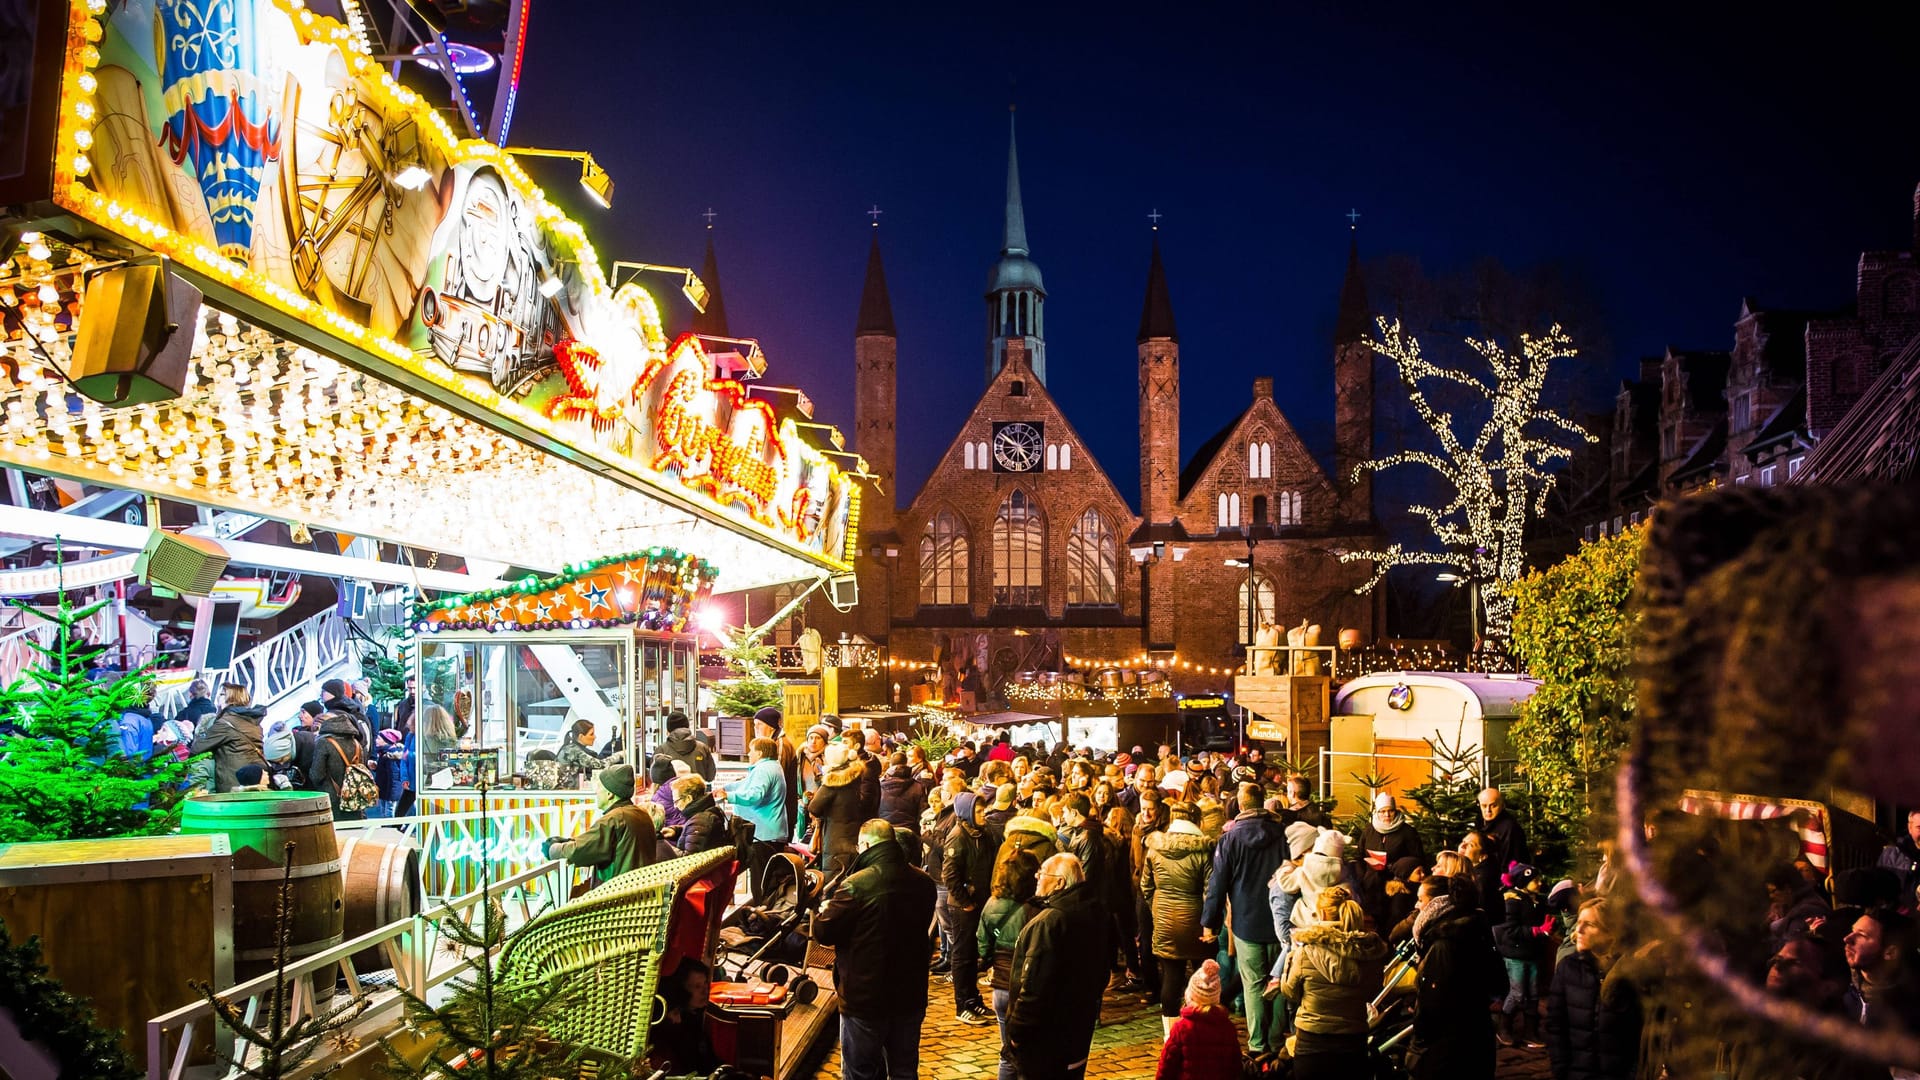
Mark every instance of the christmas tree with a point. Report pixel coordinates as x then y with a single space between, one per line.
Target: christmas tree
62 773
59 1024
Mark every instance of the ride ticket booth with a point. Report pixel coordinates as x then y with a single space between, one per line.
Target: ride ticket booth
503 678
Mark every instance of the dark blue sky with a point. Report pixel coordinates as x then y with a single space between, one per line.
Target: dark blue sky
1676 162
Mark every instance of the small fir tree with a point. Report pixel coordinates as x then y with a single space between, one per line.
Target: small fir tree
58 1022
1448 805
279 1048
754 687
62 773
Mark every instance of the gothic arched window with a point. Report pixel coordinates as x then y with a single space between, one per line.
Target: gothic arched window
1267 610
945 574
1019 553
1093 562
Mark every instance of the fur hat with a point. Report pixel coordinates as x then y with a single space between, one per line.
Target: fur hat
1203 990
1300 838
617 781
836 754
1331 844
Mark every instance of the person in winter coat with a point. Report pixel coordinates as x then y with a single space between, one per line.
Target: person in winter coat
389 770
336 751
1333 973
1083 837
1319 869
1059 972
773 727
577 758
1793 902
1201 1044
1015 877
338 696
1281 895
836 811
683 746
233 737
199 705
1033 834
967 872
1504 840
135 730
1593 1015
994 819
622 839
876 922
1398 895
1174 884
863 746
706 827
1521 937
1388 836
761 797
1249 853
902 802
1459 973
1902 856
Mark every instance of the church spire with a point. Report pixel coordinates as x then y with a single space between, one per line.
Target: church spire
1353 323
713 321
1156 313
1014 241
876 310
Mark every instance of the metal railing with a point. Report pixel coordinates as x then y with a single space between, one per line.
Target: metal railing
19 628
423 958
275 668
453 845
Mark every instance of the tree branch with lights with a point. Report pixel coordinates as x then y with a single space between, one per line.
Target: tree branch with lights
1499 473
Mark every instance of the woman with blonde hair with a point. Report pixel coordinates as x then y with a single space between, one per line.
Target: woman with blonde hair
1593 1012
1333 972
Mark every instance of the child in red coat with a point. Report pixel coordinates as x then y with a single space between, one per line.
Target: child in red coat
1202 1045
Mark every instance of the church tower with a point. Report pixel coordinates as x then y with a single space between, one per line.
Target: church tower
1016 297
1353 394
1159 355
874 377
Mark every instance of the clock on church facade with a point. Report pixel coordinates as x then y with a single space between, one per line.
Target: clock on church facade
1018 446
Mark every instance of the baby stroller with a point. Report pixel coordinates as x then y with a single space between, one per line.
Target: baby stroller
1390 1027
764 941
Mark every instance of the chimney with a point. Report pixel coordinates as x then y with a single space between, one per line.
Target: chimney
1263 388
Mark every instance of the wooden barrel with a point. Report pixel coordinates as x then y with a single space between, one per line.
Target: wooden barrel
259 825
380 871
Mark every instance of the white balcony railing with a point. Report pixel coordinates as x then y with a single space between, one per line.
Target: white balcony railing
273 670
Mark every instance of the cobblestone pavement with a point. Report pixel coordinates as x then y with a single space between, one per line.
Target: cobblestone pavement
1126 1046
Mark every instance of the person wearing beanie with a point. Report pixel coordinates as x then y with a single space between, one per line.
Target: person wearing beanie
902 800
835 809
1283 893
620 840
1333 973
1173 883
966 869
250 777
1521 937
683 746
1319 869
1201 1042
389 770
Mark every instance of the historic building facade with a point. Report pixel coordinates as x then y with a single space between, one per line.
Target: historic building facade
1020 554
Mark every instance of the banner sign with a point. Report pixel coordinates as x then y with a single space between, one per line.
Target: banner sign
259 144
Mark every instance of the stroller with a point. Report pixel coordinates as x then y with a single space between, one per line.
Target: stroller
1390 1027
763 941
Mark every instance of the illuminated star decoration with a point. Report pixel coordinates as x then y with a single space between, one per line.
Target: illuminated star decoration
541 611
1500 475
595 596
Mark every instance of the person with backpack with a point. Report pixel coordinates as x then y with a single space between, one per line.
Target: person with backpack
340 768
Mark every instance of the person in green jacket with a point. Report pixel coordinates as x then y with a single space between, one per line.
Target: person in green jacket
622 839
1015 876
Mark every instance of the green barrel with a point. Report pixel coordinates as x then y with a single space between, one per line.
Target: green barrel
259 825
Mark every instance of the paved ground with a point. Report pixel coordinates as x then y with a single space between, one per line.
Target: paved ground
1125 1047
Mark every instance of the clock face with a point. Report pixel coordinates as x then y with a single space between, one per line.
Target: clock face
1017 446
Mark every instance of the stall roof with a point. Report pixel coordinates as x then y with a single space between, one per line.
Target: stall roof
1007 719
1496 695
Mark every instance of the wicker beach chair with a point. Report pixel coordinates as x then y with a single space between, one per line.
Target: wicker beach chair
612 939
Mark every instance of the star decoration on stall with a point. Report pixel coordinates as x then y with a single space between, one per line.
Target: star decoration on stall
656 589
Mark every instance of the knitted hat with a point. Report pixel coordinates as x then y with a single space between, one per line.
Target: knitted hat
1331 844
618 781
1300 838
1518 875
278 742
769 716
1562 895
963 805
1203 990
1244 774
392 737
1123 760
677 720
1384 801
1404 868
822 730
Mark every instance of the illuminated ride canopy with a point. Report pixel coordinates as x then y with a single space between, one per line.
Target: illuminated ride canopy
441 364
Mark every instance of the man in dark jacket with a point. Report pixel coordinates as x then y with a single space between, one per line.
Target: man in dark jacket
621 840
706 827
1059 973
876 922
199 704
902 801
1250 851
1903 857
337 695
967 870
1082 837
1506 841
870 770
1459 973
1299 807
683 746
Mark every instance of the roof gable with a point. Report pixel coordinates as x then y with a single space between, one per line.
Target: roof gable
1210 466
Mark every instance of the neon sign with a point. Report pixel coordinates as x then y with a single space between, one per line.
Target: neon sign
1203 703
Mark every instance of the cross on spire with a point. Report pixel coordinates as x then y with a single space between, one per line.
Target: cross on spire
875 214
709 215
1353 220
1154 216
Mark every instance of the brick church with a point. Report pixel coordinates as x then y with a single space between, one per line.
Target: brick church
1020 554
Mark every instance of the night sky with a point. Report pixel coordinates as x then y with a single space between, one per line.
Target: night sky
1674 167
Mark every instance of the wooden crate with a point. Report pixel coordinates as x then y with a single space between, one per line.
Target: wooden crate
126 922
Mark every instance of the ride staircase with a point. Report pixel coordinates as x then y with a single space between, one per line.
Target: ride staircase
281 672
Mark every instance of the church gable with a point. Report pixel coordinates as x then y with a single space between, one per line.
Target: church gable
1256 471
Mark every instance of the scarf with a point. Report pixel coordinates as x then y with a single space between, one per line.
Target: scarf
1437 908
1382 826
